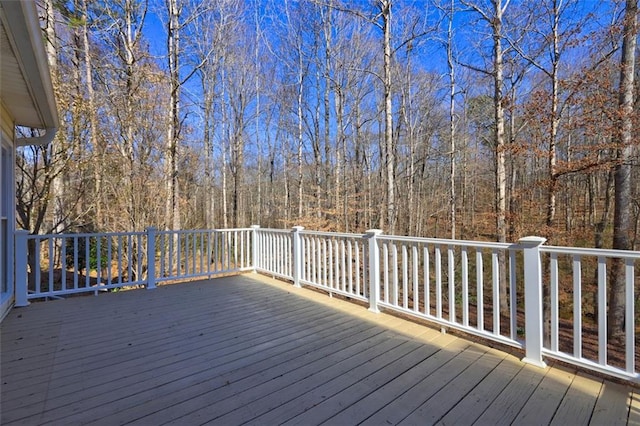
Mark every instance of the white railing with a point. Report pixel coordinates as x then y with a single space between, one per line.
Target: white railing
453 283
202 253
333 262
577 327
274 252
492 290
64 264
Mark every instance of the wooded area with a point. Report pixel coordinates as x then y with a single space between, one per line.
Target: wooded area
473 119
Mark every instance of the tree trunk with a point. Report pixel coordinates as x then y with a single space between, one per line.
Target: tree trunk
389 148
452 124
96 142
172 213
500 151
622 218
52 54
300 136
554 123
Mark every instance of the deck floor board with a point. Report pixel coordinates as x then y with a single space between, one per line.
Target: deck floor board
253 350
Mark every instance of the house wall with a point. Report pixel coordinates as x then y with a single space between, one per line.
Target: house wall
7 211
6 122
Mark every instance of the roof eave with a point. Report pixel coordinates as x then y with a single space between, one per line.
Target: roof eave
22 25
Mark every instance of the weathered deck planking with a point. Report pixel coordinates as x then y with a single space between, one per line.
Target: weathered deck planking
252 350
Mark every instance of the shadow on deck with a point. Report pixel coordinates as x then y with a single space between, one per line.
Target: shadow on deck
249 349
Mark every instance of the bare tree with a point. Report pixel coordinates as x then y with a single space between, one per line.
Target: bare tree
622 222
493 16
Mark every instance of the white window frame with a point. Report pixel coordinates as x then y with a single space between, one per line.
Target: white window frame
7 215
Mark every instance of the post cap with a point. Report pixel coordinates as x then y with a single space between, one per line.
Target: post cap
255 226
532 241
298 228
371 232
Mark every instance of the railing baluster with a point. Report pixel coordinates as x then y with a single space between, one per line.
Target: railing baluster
553 300
465 287
183 253
452 284
109 259
394 265
324 263
438 265
187 242
129 258
365 269
427 279
235 250
194 251
630 329
38 266
152 276
87 247
241 243
120 271
221 254
52 260
416 292
313 260
63 262
297 250
282 254
495 273
275 259
201 251
405 278
272 252
330 263
602 310
161 252
513 301
279 254
98 260
168 241
75 263
480 289
289 257
385 272
350 265
358 270
343 265
228 249
140 257
577 307
309 259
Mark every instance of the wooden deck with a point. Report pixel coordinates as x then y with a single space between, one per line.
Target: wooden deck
251 350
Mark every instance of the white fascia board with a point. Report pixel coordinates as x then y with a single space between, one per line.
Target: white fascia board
23 28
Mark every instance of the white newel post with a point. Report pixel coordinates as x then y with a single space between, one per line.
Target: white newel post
254 247
374 268
22 277
297 255
151 258
533 300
